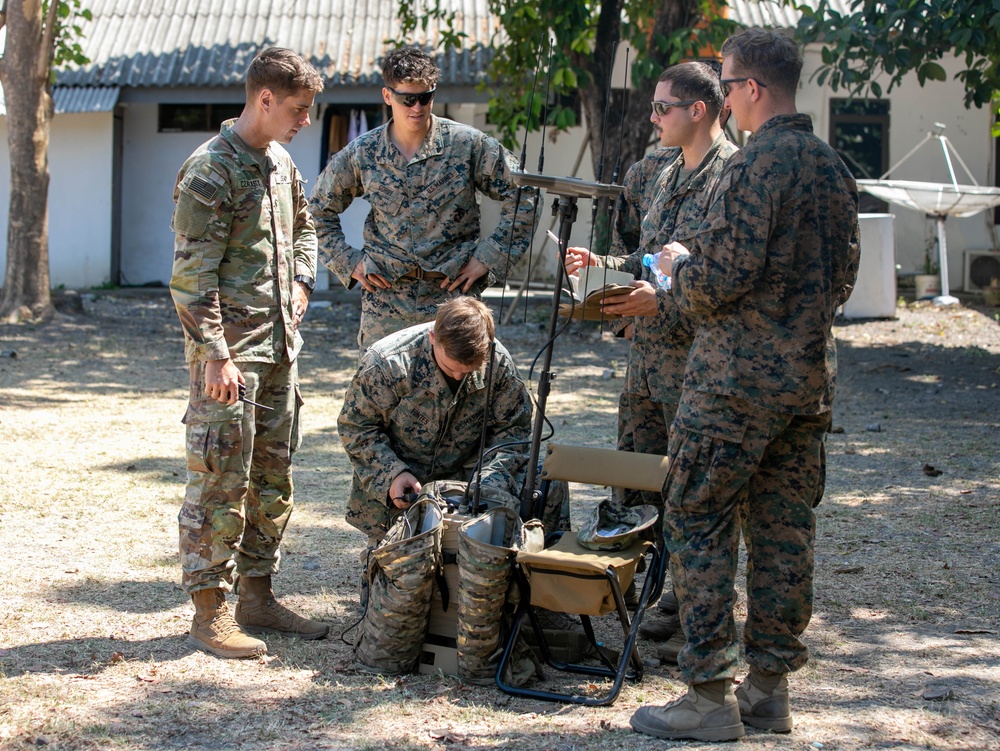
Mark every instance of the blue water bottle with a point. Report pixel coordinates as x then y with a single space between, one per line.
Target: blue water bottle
652 261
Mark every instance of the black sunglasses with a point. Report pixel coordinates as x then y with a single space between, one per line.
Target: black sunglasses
724 83
408 100
660 108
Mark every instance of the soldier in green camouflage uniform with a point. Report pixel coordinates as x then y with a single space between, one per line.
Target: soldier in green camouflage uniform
414 413
678 200
691 102
639 188
422 175
775 257
244 265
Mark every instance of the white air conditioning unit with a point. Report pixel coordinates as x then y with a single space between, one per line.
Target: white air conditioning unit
980 267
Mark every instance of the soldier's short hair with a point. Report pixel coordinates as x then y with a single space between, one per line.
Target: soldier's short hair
464 327
409 65
768 56
697 81
282 71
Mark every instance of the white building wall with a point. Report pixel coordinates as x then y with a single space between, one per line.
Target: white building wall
150 164
80 151
913 112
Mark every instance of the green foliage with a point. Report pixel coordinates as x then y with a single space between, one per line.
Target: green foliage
896 37
68 34
414 13
583 34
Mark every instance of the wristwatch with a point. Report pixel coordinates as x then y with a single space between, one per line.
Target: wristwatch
308 281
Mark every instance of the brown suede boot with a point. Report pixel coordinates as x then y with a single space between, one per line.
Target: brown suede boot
214 630
660 626
763 699
707 712
258 611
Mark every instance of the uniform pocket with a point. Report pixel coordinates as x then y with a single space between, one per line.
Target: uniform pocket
385 202
710 415
191 217
217 436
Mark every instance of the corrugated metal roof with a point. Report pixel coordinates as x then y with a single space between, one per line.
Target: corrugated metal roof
77 99
209 43
772 14
84 98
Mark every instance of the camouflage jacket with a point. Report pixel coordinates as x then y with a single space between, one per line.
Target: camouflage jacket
630 207
660 343
424 212
400 414
241 237
775 257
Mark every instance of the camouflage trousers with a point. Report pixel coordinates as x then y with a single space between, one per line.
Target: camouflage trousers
239 477
734 463
644 427
406 303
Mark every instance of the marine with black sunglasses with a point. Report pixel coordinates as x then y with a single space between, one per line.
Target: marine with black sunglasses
422 175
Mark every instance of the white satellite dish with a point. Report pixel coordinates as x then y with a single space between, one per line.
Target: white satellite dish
936 200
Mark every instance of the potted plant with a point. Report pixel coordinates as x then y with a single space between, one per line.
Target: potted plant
927 283
991 294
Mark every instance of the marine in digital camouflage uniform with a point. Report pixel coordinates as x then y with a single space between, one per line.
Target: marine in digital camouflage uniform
414 413
423 176
674 203
639 188
775 257
244 264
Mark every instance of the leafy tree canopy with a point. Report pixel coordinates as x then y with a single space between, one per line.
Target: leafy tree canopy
584 34
894 37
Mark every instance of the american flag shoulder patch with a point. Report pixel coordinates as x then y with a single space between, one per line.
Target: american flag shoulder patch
204 188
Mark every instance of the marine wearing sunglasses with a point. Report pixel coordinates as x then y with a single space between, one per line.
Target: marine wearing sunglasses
408 100
661 108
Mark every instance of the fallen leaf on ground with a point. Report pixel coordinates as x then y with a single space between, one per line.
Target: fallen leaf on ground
973 631
937 694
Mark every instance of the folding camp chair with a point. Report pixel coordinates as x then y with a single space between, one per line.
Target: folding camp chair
568 578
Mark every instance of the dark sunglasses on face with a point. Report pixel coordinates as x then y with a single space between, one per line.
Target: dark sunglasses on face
724 83
408 100
661 108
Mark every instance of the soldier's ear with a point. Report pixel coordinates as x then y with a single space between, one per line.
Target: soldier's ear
266 99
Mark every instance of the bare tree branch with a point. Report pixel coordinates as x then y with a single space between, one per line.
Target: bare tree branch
47 50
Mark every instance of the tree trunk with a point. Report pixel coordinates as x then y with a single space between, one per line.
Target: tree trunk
621 141
26 290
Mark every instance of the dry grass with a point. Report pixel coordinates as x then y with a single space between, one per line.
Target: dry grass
92 622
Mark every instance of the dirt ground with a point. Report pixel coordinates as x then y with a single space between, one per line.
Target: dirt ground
905 639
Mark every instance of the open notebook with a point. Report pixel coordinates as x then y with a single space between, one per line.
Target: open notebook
589 286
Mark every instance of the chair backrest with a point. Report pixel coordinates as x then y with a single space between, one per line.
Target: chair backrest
620 469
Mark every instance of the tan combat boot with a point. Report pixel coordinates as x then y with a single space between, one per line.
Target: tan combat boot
763 701
707 712
258 611
214 630
660 626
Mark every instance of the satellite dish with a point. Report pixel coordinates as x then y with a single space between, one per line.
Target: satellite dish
936 200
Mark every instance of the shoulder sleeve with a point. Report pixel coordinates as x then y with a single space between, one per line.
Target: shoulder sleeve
201 222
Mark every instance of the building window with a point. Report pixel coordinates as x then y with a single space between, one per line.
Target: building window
859 131
191 118
342 124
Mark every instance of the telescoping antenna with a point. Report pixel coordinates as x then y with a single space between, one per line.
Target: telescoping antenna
567 190
491 355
